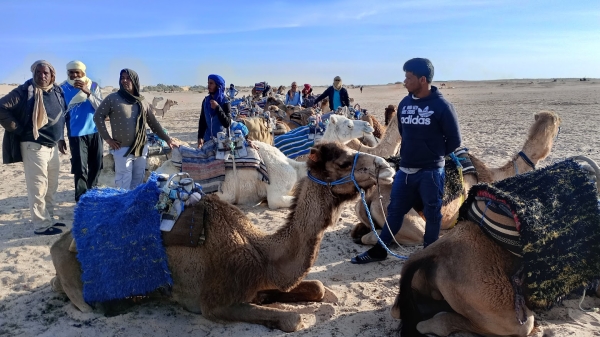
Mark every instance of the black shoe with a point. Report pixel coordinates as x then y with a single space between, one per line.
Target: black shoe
59 224
48 231
365 258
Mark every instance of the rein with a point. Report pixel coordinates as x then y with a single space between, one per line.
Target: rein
350 178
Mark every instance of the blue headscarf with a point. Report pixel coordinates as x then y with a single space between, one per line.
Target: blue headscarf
212 120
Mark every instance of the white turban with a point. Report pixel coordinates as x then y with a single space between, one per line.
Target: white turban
76 65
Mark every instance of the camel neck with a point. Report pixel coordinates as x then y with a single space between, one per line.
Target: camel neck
295 247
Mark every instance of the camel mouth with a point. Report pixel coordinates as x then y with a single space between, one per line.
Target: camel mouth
368 129
386 175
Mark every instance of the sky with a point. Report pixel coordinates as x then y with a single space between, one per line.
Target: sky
363 41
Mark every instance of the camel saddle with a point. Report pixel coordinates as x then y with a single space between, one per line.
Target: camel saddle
189 228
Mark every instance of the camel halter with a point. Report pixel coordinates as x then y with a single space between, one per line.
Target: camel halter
525 159
350 178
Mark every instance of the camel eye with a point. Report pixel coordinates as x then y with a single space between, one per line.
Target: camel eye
345 165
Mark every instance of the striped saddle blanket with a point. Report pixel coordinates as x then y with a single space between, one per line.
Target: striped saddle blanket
297 142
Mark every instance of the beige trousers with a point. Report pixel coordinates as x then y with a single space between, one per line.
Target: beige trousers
42 166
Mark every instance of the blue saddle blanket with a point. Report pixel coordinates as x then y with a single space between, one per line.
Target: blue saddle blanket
119 242
296 142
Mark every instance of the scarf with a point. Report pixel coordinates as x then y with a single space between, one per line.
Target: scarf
212 120
140 125
337 86
80 96
40 117
292 92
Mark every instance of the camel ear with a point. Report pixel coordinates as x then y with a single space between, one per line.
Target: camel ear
332 119
314 155
536 116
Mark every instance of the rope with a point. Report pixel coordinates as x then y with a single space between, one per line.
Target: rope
586 310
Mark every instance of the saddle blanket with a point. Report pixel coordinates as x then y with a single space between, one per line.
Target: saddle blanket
119 242
202 165
556 213
296 142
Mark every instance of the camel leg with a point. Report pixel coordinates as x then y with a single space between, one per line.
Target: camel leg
68 272
445 323
250 313
306 291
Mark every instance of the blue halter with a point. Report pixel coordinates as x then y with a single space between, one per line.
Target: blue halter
350 178
343 180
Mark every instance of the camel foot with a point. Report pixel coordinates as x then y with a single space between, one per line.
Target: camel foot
56 285
280 202
445 323
250 313
359 230
306 291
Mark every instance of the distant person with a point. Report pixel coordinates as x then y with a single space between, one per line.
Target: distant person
33 115
361 89
337 94
429 128
232 92
307 91
215 111
129 113
293 96
83 97
308 99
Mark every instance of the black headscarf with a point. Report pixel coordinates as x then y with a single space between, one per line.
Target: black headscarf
135 98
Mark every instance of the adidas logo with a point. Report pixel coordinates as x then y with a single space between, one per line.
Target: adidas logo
415 120
425 112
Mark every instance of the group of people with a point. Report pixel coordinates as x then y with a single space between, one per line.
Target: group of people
35 114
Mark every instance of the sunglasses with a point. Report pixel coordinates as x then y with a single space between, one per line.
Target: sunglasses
336 80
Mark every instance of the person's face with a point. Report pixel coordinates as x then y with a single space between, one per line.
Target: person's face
75 74
212 86
337 82
43 75
126 82
412 83
294 86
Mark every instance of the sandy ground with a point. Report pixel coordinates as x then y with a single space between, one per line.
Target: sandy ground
494 117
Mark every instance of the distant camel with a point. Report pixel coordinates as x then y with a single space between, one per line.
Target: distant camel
168 104
155 101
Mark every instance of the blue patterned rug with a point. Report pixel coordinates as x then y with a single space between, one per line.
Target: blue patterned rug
119 243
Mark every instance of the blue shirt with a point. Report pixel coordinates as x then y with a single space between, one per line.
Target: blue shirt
297 100
337 101
80 117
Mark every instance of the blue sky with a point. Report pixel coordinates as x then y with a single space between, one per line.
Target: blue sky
364 42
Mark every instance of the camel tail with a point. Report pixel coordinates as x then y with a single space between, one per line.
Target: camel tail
408 306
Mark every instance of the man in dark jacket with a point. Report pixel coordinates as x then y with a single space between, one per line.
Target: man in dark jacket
337 94
33 116
429 129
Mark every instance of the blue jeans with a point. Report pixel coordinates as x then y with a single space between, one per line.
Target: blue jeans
427 184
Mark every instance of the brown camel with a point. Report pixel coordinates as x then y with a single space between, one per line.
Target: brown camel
537 147
390 112
239 267
259 129
379 129
462 282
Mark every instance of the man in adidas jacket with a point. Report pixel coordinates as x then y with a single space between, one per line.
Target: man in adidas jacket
430 131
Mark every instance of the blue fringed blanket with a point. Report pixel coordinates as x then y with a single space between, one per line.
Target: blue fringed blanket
296 142
119 243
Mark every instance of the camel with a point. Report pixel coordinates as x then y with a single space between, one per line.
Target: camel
155 101
168 104
389 114
281 90
239 267
247 186
537 147
259 129
462 282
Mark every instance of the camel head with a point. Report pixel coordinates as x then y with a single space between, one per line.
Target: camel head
170 103
343 130
390 111
542 134
334 163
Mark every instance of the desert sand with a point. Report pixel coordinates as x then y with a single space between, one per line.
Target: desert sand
494 117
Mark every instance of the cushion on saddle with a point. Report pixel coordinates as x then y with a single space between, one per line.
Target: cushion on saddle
492 219
119 242
189 228
556 213
202 166
296 142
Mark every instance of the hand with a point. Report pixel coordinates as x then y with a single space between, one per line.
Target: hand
173 143
113 144
62 146
213 104
80 85
200 142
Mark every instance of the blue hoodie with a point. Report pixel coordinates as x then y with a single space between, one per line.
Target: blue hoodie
429 130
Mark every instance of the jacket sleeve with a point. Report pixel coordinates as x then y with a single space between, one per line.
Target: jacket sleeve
95 97
154 124
323 95
224 114
301 100
9 106
202 122
104 109
451 129
345 98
